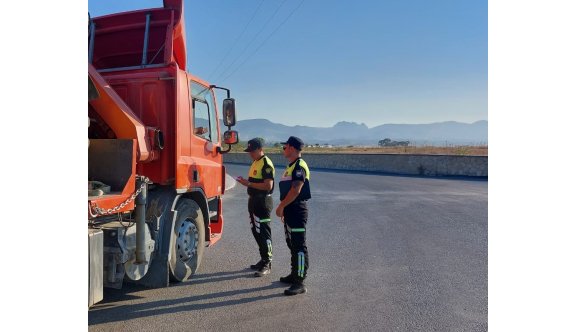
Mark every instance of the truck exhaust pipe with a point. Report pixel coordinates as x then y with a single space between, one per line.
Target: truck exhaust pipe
141 222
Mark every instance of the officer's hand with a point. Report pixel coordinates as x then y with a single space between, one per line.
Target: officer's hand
242 181
280 211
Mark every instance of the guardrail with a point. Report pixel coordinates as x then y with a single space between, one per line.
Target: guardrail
402 164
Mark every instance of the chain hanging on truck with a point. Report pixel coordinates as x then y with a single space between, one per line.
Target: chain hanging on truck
96 211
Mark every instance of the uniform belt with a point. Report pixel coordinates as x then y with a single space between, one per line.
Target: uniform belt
260 195
299 201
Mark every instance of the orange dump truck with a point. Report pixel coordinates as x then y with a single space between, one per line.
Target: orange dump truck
155 171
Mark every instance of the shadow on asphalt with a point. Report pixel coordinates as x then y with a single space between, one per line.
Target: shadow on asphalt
107 311
219 276
115 295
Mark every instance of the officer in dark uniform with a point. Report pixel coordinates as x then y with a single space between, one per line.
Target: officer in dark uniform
260 185
294 192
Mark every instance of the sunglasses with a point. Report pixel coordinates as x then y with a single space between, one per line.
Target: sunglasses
284 147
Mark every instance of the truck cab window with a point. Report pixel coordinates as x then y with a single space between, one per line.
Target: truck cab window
204 112
201 119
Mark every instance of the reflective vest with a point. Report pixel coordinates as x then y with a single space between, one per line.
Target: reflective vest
287 178
260 170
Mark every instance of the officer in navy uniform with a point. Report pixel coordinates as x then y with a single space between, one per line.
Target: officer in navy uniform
260 185
294 193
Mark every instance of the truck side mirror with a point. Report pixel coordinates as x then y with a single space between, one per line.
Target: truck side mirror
231 137
229 107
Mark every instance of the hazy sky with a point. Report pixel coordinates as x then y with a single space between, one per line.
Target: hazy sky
376 62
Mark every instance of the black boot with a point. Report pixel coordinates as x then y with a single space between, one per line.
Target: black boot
289 279
296 288
257 265
265 269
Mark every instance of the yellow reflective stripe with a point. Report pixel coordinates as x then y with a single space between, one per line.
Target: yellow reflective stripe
295 229
301 264
256 170
265 220
289 170
303 165
269 163
269 248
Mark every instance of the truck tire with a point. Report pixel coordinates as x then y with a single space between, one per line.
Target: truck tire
187 242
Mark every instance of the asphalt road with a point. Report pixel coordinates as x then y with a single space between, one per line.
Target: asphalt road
387 253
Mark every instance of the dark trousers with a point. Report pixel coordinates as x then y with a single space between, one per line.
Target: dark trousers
295 220
260 208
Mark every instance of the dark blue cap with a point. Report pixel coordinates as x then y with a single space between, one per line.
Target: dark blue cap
254 144
296 142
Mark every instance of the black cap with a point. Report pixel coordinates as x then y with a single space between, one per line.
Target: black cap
296 142
254 144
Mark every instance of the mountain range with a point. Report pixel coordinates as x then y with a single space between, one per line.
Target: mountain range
351 133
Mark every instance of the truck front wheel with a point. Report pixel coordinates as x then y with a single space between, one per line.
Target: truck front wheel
187 241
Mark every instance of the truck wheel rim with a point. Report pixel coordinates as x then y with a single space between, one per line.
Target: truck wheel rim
187 240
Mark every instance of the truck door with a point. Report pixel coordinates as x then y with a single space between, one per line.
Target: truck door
205 139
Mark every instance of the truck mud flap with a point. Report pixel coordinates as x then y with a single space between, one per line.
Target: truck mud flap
160 212
95 266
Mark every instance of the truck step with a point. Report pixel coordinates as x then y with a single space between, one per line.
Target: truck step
214 237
